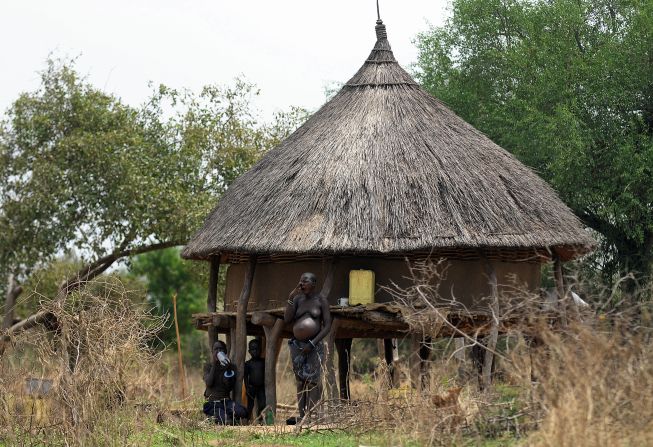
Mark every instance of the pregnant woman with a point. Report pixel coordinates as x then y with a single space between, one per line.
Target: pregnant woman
311 318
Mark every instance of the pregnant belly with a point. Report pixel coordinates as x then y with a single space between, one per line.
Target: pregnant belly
305 328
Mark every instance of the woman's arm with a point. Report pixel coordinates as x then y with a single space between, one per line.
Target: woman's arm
291 307
326 321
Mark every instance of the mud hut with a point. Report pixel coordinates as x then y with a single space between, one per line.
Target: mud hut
381 175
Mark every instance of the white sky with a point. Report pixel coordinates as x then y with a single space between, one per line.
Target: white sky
290 49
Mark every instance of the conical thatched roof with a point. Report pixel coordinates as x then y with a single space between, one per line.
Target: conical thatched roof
384 167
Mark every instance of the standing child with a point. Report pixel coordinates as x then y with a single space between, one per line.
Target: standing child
255 378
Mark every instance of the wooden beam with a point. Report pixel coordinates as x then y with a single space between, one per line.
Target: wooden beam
264 319
212 298
494 325
272 345
241 328
222 321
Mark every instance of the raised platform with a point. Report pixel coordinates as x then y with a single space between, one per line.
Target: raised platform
361 321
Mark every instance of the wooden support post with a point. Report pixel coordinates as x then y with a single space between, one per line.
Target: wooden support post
560 289
272 344
331 383
241 329
343 345
231 338
491 345
414 361
459 350
212 299
180 363
424 366
391 355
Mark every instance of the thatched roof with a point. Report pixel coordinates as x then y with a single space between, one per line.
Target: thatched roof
384 167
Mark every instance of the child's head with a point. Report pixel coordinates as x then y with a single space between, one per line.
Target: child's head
255 348
219 346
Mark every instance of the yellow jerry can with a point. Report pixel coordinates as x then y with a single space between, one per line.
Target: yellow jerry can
361 287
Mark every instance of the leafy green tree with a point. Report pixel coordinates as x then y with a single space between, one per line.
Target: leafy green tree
81 171
567 86
166 274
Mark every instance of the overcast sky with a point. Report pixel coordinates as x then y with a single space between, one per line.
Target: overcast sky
290 49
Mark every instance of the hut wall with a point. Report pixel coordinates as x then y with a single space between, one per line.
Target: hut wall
466 281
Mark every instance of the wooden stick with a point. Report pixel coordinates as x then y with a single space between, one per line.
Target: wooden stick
182 376
241 328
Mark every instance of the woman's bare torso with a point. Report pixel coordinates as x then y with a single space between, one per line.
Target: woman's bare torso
308 319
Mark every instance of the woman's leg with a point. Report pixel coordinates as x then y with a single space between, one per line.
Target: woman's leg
301 398
314 395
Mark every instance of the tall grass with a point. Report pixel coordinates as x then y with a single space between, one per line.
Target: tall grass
586 384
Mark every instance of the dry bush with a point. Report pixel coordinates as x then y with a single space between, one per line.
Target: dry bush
594 387
94 357
586 383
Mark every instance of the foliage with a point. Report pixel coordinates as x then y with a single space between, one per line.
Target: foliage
82 171
567 86
165 274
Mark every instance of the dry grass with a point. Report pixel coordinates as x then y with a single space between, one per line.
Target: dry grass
592 387
94 360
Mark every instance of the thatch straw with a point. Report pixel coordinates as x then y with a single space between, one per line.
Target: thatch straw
384 167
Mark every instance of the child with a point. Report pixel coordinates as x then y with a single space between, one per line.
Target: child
255 378
220 377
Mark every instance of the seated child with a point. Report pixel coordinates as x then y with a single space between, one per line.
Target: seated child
220 378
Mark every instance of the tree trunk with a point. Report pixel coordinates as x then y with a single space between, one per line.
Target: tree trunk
13 291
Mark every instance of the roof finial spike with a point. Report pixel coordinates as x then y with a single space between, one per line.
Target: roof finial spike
380 27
